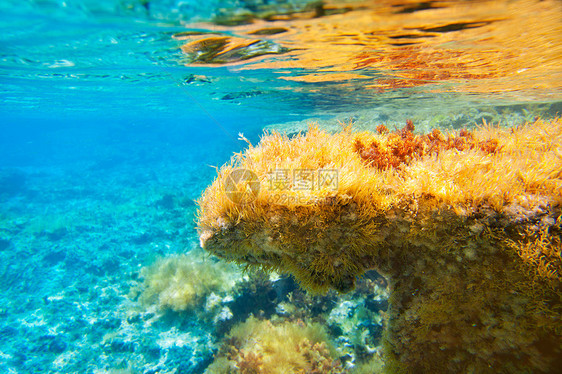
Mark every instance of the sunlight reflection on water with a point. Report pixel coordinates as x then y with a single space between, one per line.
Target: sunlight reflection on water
298 59
496 50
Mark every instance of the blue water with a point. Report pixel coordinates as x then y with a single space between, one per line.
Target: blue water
98 127
106 140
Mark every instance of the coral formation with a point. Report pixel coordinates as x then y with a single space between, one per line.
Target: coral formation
269 347
466 228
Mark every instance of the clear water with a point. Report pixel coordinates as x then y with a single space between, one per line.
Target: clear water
108 132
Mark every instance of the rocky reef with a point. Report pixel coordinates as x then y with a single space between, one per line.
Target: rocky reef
465 226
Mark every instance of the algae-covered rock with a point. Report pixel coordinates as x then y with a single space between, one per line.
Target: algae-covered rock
465 226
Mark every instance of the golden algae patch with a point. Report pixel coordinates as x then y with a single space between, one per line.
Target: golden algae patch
466 228
184 282
275 347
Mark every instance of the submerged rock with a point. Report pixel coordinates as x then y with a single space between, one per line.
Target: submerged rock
465 227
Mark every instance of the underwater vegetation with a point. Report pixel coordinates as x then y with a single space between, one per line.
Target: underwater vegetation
264 323
403 146
270 347
183 282
466 227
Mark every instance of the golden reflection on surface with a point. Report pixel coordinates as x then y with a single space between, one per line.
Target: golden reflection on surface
463 46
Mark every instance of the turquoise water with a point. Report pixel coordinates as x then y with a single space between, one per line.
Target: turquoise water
109 134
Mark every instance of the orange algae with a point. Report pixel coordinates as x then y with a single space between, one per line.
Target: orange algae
466 228
402 146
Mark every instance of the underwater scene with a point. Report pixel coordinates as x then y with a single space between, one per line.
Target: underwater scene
280 186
